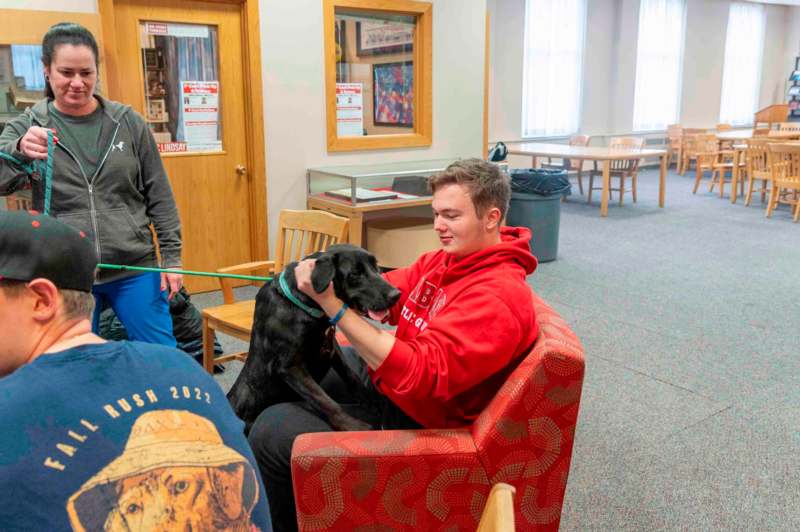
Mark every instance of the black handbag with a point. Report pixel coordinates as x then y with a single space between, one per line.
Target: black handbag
498 153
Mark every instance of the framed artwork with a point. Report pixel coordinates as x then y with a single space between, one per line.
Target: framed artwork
393 94
379 38
156 111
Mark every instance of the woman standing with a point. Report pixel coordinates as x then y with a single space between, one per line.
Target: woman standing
108 181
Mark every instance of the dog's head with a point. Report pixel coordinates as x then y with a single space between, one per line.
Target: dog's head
356 280
184 498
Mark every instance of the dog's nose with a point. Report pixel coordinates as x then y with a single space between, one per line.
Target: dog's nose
394 295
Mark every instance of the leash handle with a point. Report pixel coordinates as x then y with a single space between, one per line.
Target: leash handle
48 172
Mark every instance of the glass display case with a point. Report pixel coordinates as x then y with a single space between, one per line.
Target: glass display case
370 191
384 183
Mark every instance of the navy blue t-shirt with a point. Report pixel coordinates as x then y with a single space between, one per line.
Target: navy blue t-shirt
123 436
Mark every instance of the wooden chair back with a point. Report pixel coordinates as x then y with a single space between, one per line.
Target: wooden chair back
688 133
625 143
761 132
789 126
785 163
674 134
498 514
578 140
758 158
724 127
300 233
706 149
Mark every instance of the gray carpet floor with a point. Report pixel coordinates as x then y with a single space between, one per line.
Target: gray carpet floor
689 317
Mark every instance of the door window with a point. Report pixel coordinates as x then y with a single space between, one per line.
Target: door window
181 86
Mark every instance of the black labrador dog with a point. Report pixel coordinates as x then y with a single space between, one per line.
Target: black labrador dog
291 350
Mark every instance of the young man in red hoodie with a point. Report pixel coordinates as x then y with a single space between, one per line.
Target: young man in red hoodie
464 320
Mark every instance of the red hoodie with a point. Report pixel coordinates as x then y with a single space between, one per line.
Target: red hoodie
461 326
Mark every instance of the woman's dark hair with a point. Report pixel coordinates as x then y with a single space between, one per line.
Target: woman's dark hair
66 33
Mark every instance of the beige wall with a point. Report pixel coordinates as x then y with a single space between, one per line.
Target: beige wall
610 63
294 105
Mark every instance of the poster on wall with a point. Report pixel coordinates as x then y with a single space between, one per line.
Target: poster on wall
201 115
349 109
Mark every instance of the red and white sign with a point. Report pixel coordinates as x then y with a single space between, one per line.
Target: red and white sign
201 115
171 147
349 109
176 30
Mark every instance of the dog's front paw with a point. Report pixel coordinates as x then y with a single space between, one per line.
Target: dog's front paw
348 423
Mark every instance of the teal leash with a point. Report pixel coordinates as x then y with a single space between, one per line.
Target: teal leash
37 166
48 172
182 272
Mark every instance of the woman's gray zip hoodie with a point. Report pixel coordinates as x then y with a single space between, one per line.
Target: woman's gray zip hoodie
116 205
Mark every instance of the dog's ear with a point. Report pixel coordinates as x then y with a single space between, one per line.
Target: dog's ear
322 275
228 484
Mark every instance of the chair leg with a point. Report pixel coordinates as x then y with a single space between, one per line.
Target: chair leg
722 182
580 179
591 187
764 184
621 189
633 186
773 198
711 185
208 347
749 195
796 210
698 175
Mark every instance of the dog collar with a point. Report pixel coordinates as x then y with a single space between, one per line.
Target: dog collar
313 312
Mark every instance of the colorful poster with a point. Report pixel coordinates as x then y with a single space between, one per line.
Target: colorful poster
200 117
349 109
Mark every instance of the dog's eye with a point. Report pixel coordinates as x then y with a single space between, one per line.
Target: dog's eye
133 508
181 486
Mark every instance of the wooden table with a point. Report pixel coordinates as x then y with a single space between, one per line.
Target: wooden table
591 153
357 212
743 134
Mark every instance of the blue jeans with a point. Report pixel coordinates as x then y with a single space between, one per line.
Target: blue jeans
140 305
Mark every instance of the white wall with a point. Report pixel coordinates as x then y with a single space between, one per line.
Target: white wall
610 63
791 44
294 104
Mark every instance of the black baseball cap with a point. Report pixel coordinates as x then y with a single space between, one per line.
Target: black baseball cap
36 246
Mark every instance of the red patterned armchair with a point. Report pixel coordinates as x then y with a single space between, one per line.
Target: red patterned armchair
440 479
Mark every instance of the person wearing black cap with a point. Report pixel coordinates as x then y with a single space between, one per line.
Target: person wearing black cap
101 435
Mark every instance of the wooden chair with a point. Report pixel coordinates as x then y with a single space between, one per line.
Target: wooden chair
622 169
688 151
718 161
567 164
300 233
785 177
498 514
758 167
724 127
674 134
761 132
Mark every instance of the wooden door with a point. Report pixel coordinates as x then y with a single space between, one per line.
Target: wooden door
221 205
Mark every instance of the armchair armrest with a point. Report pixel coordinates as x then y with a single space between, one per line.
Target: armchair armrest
248 267
395 479
265 265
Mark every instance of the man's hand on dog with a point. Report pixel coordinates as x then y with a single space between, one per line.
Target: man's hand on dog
302 275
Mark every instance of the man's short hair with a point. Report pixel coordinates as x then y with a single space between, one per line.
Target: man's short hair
77 304
486 184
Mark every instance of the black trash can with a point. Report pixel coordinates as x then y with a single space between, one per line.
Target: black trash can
536 204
